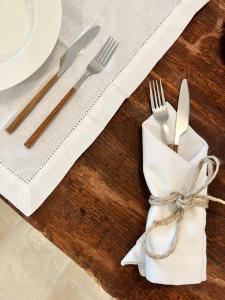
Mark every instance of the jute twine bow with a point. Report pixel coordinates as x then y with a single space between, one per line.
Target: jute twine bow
183 202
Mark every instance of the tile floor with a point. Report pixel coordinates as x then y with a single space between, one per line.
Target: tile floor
32 268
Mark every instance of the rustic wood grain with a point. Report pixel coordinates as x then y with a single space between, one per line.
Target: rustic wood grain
99 210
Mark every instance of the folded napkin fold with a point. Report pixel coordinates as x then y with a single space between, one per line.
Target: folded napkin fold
166 172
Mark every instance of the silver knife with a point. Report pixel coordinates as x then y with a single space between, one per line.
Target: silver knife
77 48
183 111
65 62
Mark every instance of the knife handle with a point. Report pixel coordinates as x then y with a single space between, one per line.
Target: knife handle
31 105
45 124
174 147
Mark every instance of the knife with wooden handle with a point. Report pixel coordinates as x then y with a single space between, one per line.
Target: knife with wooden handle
65 62
183 111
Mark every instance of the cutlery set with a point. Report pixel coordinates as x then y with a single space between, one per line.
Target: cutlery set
161 115
96 66
159 109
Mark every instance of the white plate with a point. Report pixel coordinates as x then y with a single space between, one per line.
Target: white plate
29 30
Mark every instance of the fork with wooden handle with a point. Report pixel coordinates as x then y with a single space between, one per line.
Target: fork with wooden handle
65 62
96 66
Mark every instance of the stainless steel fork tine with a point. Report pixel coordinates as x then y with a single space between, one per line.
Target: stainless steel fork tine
155 96
100 59
95 66
159 109
103 48
110 54
107 51
162 93
158 93
151 96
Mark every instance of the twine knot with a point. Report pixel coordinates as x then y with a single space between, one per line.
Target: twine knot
183 201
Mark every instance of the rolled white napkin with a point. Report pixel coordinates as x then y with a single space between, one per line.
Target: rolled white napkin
165 172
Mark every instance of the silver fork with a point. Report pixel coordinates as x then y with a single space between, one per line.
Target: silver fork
159 108
97 65
100 61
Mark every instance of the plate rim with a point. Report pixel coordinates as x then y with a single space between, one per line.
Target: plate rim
38 47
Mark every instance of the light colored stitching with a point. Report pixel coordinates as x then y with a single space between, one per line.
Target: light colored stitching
93 104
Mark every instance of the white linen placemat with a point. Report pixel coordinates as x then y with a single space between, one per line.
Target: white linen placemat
165 172
145 30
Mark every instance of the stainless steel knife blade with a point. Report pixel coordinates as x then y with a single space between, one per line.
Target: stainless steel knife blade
77 48
183 111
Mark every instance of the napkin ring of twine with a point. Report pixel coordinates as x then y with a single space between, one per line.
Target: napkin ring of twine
183 202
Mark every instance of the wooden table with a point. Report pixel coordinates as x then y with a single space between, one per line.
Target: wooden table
99 210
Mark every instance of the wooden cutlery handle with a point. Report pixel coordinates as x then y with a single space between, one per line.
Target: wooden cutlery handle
174 147
44 125
31 105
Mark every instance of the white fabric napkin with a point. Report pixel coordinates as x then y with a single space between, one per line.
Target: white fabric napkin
29 176
165 172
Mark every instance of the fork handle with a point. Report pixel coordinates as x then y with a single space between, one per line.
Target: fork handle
163 134
174 147
45 124
31 105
